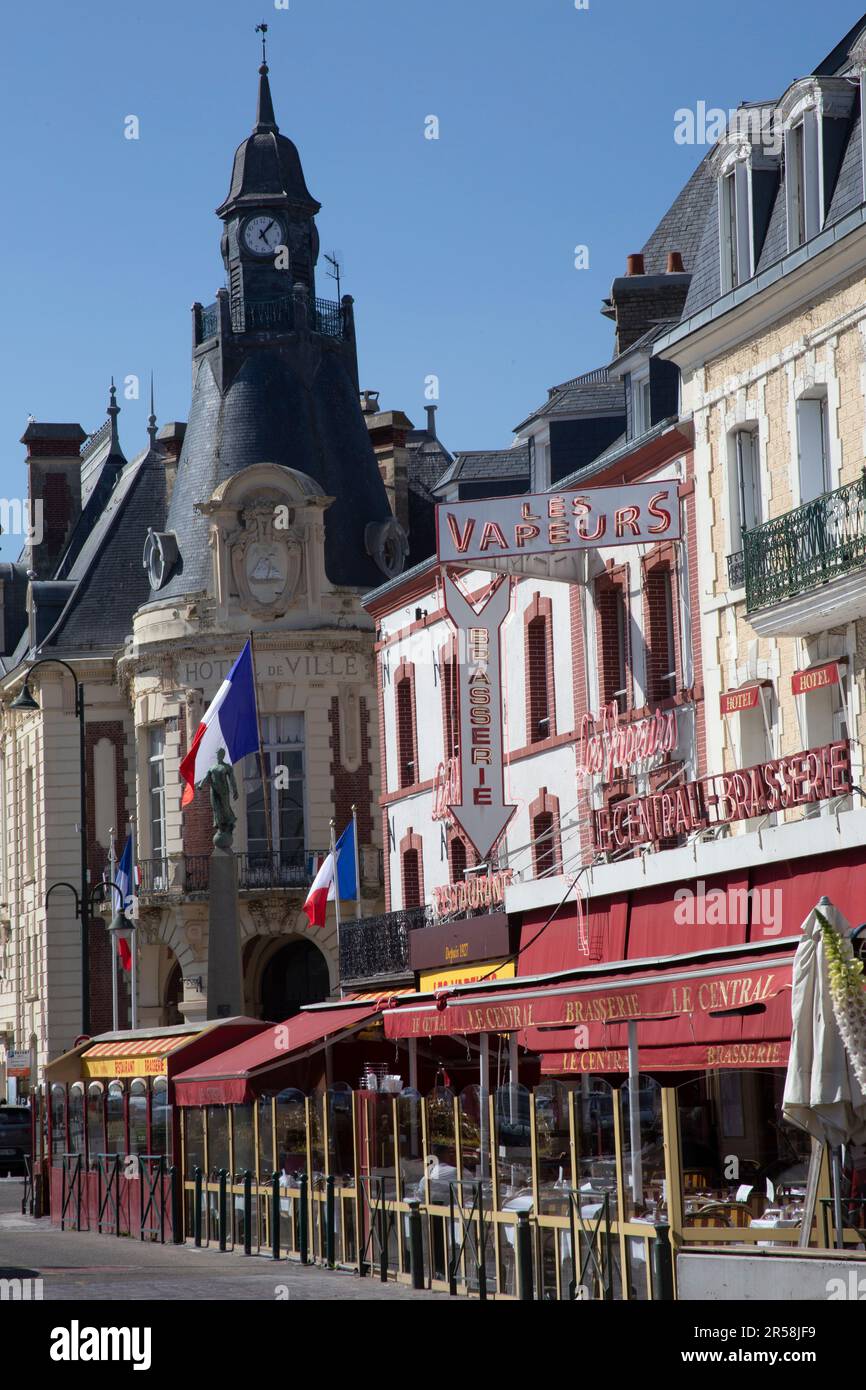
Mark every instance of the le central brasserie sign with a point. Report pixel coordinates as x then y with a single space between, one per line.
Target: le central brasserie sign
776 785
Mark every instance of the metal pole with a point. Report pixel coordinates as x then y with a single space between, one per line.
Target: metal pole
134 933
248 1212
336 881
663 1265
196 1214
303 1223
85 900
512 1075
523 1253
357 864
634 1114
330 1211
267 800
416 1244
112 871
223 1209
836 1166
484 1085
275 1216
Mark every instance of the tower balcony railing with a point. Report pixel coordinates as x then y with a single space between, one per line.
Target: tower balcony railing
325 316
815 543
376 948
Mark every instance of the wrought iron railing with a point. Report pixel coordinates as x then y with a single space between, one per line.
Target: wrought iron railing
736 570
326 316
377 947
196 877
806 547
277 870
210 318
155 875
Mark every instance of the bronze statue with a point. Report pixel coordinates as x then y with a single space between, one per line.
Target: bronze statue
221 780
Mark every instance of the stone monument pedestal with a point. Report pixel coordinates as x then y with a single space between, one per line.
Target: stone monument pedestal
225 984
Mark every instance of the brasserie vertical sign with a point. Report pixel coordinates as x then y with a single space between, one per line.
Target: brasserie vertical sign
482 812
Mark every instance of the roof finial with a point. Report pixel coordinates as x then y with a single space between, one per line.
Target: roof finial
265 118
263 30
112 412
151 419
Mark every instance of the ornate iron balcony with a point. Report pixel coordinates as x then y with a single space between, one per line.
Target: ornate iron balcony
255 870
377 947
736 570
806 547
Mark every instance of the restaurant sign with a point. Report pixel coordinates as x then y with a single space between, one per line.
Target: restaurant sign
124 1066
779 784
697 1057
480 808
473 892
610 747
503 527
627 999
432 980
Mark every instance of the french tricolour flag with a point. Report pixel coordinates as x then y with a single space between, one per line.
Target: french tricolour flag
127 880
324 887
229 723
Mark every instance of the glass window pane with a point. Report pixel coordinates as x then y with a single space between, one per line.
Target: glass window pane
116 1127
159 1117
138 1117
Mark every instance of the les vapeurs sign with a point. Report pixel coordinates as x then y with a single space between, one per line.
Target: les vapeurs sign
481 812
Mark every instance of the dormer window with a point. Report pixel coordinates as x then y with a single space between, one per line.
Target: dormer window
641 409
802 180
815 114
734 217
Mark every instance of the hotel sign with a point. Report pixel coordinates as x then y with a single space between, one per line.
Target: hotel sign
816 678
736 701
545 522
776 785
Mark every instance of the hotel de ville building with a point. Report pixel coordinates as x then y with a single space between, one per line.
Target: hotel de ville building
151 572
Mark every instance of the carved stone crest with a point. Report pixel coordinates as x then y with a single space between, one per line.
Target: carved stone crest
266 559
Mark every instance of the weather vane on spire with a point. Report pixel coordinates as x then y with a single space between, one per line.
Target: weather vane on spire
263 30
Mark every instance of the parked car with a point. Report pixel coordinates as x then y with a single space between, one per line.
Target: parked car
16 1144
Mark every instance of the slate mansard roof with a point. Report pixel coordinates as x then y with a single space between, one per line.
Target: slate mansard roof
700 212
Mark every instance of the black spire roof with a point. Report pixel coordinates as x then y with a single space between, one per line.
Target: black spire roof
267 165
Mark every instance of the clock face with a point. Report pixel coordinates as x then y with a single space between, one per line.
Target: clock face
263 234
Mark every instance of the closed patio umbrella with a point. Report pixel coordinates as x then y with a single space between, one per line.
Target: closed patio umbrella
822 1092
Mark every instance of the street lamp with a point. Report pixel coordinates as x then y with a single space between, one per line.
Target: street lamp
25 702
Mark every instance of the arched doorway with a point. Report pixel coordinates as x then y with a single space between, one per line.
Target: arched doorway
172 996
296 974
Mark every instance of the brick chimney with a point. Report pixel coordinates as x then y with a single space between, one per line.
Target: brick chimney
388 430
53 491
169 442
638 300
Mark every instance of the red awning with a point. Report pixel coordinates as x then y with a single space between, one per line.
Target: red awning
245 1071
681 1004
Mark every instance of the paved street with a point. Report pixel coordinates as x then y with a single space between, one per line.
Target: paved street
76 1267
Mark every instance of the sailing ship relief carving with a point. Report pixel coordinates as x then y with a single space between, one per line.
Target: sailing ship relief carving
266 561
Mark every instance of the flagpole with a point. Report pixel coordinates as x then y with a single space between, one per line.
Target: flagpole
336 880
265 796
357 864
112 874
134 934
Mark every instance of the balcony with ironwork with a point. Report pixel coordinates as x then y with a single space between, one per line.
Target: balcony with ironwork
288 311
376 949
805 571
259 871
736 570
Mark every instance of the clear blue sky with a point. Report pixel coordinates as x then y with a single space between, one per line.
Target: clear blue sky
556 128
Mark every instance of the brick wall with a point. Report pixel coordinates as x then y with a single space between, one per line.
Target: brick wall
352 788
612 638
538 657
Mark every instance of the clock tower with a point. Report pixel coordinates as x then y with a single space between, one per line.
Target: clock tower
270 243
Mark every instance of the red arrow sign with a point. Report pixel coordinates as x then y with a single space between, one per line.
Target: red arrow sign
482 812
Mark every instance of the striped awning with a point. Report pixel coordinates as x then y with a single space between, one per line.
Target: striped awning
140 1047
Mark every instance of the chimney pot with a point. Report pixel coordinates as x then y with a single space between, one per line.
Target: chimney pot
431 420
675 263
635 265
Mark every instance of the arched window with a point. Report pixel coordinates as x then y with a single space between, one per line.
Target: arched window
58 1122
115 1119
457 856
95 1121
76 1118
546 839
159 1116
138 1116
540 711
661 656
450 703
411 879
407 754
